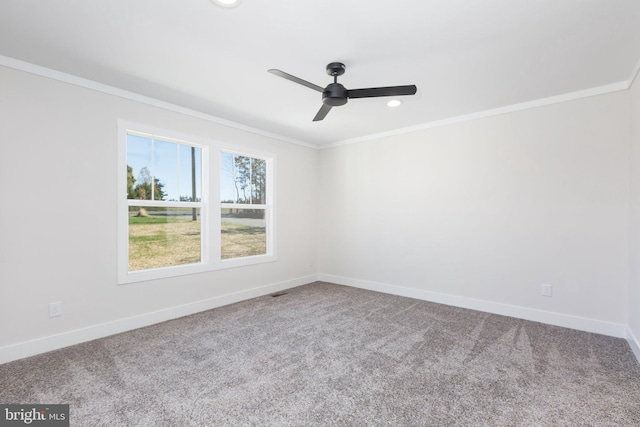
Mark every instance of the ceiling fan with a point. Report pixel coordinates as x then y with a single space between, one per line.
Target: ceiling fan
335 94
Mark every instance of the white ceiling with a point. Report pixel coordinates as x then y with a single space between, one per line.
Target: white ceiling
465 56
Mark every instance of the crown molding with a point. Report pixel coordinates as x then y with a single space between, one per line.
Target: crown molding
600 90
111 90
634 74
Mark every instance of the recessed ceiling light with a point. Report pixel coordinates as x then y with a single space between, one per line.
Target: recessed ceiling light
394 103
226 3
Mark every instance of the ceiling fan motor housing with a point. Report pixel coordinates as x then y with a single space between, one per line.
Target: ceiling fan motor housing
335 94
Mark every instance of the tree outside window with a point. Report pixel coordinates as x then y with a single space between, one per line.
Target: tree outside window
243 181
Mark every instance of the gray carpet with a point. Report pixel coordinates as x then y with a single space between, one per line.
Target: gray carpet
328 355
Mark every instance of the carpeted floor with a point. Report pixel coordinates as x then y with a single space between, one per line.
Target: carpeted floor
328 355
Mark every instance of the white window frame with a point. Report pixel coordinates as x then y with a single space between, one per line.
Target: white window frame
268 207
210 210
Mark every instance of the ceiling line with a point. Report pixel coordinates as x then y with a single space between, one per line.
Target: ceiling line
634 73
112 90
600 90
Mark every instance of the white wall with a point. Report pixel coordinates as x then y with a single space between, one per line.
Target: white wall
634 280
483 213
477 214
58 176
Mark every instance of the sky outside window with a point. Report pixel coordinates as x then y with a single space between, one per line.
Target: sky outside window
169 162
242 179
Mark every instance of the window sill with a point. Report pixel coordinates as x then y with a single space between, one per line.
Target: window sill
182 270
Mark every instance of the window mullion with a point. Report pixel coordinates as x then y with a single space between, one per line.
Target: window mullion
158 203
153 169
242 206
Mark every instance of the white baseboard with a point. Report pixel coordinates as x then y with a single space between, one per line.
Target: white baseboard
54 342
550 318
634 343
77 336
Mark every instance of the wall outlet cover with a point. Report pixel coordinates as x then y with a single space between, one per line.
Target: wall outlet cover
55 309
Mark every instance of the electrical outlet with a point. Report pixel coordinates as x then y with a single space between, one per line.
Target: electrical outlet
547 290
55 309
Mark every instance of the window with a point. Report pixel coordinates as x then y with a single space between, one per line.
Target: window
243 206
166 225
164 196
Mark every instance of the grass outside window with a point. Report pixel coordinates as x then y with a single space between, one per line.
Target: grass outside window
163 238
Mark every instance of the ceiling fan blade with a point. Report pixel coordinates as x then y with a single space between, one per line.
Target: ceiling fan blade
382 91
295 79
322 112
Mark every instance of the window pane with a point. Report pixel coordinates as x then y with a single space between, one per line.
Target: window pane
139 158
258 181
162 237
242 179
189 184
165 170
243 233
170 166
229 192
